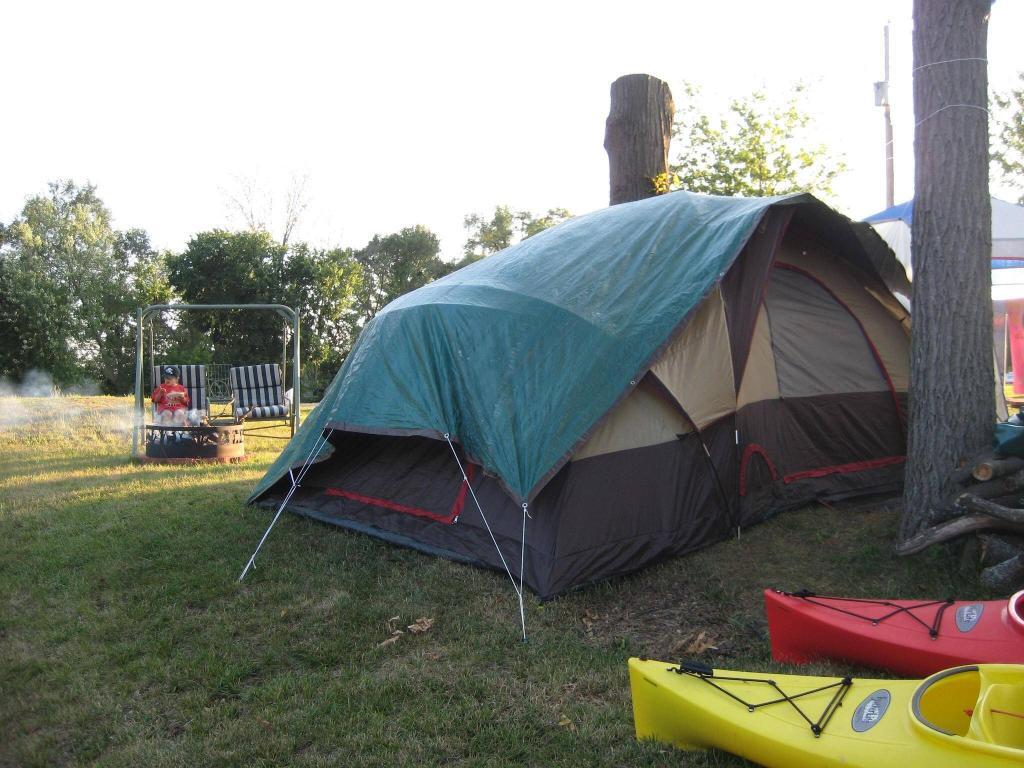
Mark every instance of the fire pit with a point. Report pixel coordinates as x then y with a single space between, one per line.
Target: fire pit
219 441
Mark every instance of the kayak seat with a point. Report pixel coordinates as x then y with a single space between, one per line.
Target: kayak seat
1000 715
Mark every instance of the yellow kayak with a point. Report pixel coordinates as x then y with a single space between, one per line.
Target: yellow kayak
964 716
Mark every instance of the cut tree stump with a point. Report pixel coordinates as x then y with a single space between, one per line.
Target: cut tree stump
637 135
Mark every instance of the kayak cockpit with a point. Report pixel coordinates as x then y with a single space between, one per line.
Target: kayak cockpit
1015 610
985 704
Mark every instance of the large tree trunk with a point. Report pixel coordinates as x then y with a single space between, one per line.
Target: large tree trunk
637 135
952 410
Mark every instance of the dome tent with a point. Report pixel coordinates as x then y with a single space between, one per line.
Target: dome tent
646 378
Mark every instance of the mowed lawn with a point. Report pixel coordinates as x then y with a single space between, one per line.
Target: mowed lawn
126 640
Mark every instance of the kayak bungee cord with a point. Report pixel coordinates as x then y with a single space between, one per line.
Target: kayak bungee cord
707 674
933 628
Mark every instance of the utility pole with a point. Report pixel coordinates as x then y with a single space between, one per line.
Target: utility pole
882 100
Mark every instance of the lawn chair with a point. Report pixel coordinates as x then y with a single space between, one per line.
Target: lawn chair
193 379
258 393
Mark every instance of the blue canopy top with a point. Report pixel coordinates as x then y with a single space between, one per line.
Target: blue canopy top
899 212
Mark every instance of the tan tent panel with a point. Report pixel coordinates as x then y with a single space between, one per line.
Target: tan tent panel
760 380
879 322
641 419
697 367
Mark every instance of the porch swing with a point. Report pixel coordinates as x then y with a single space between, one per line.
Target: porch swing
245 393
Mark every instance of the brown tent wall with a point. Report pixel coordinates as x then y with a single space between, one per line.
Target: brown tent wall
831 424
601 516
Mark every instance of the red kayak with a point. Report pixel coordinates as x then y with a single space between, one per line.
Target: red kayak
908 637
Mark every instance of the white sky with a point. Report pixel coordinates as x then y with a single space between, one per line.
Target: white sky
416 113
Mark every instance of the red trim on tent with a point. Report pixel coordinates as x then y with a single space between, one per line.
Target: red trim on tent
871 345
748 453
448 519
856 466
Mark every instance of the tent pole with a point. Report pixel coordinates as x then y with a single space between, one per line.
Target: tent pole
517 587
321 440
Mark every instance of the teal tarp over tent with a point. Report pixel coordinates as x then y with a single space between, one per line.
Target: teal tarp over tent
518 357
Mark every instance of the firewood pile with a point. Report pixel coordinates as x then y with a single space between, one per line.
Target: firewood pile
988 501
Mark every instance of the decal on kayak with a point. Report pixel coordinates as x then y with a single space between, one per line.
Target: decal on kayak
968 616
707 674
870 711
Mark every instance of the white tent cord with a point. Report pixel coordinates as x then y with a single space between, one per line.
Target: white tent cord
522 570
516 587
296 479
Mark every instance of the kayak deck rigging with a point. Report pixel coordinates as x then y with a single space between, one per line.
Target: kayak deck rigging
933 628
707 674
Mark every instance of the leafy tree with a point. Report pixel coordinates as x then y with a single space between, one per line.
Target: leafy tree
396 264
69 284
756 149
503 229
1008 154
221 267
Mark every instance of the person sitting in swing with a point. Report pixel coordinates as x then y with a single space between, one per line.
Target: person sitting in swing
170 398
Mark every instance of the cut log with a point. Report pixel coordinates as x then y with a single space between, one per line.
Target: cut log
1008 576
977 504
1000 486
996 548
962 475
993 468
954 528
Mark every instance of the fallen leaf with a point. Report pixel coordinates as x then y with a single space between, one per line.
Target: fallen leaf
421 625
694 643
398 633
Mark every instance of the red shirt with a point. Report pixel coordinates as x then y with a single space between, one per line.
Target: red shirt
170 397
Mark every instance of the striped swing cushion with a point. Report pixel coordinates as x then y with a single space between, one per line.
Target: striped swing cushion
258 388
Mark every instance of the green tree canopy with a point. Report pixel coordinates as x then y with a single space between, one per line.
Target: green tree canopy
487 235
755 149
220 267
1008 127
69 283
396 264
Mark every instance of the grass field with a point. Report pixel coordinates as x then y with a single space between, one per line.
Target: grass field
126 640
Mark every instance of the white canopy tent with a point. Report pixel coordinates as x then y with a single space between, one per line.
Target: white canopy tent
894 224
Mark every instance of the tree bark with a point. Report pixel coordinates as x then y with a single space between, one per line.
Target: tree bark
952 409
637 135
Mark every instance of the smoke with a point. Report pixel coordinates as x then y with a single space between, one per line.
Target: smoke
36 408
